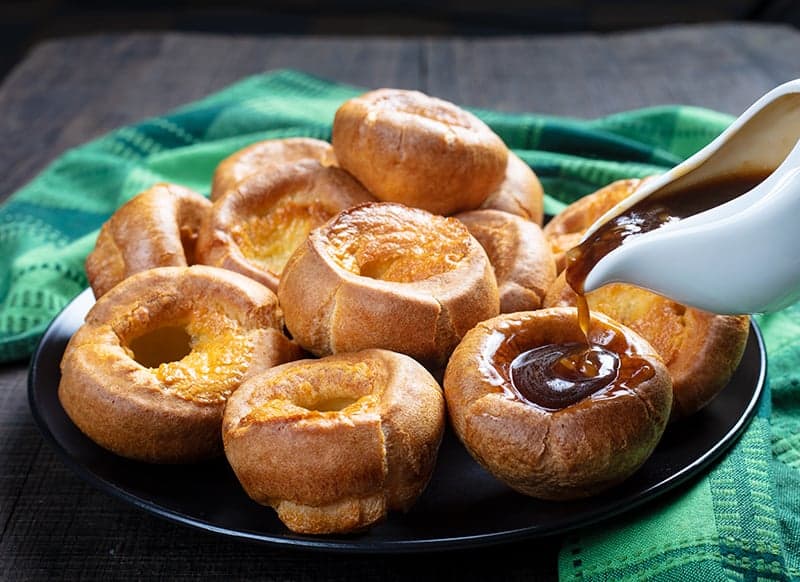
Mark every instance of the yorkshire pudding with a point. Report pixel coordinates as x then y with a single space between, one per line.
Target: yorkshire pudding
407 147
255 227
333 444
567 228
384 275
701 349
148 373
157 228
263 155
576 449
519 193
519 254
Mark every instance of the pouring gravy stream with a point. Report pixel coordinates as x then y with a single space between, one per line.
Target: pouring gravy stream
558 375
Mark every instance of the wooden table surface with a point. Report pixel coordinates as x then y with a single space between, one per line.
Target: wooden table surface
65 92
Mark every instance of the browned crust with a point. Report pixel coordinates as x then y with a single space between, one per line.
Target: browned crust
566 229
336 471
263 155
520 256
407 147
701 349
119 403
306 182
519 193
329 309
157 228
573 452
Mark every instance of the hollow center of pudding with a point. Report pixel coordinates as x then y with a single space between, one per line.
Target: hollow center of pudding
555 376
309 389
268 240
202 360
395 243
159 346
333 404
333 386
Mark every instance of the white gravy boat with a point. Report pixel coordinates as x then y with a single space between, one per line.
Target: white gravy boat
742 256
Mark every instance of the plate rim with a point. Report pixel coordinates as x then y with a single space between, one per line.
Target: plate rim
299 541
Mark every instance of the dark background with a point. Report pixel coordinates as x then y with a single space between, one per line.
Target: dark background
23 24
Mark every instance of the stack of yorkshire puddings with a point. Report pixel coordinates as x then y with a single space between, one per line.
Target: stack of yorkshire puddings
299 320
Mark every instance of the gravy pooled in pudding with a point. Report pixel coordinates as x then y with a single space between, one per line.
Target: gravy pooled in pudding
555 376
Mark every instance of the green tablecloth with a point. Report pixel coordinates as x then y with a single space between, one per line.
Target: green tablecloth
741 520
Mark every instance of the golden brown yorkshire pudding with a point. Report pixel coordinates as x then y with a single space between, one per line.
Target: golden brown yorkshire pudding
519 254
333 444
701 349
148 373
254 228
157 228
405 146
384 275
567 228
519 193
263 155
501 408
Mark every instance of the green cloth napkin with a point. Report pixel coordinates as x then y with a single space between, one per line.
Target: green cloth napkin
741 520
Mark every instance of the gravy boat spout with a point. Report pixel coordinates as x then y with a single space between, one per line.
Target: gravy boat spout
738 256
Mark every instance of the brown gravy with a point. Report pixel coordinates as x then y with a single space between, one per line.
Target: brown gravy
645 216
556 376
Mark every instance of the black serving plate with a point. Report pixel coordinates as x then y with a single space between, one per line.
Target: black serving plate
463 505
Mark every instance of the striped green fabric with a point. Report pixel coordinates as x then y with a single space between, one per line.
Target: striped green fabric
739 521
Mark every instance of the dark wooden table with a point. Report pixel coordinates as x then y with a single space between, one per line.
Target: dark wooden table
68 91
